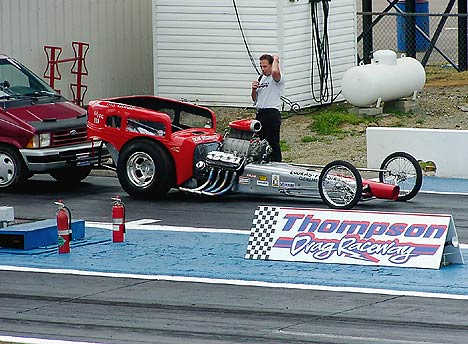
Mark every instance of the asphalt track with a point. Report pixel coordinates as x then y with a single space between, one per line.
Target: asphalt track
91 201
91 306
168 284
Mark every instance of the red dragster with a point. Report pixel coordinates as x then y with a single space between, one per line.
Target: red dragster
157 144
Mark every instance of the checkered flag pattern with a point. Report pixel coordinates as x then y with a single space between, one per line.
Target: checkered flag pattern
261 233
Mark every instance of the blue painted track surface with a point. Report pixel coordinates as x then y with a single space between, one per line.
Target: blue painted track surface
221 256
455 185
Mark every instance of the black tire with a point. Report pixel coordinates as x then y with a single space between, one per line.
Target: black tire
402 169
340 185
71 175
12 168
145 170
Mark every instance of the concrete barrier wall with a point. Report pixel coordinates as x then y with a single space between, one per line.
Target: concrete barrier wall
448 149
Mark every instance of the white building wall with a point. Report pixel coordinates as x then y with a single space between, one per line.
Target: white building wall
200 55
119 60
298 50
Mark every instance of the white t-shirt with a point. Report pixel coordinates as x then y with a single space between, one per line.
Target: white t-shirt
269 93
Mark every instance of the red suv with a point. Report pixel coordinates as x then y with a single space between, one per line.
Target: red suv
40 130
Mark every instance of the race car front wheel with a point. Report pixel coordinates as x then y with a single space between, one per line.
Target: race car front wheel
145 170
402 169
340 185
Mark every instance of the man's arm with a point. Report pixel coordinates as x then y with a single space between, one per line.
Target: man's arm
275 68
253 93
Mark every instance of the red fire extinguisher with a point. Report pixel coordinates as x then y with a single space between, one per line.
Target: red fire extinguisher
118 220
63 217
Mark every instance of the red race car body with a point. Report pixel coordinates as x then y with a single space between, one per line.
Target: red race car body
158 144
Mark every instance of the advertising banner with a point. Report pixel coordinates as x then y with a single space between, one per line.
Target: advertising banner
353 237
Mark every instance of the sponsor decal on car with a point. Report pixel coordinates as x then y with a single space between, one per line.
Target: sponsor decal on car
244 180
287 185
275 180
306 175
97 117
120 106
205 138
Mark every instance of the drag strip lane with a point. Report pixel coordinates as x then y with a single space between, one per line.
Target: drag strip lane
138 310
109 310
91 201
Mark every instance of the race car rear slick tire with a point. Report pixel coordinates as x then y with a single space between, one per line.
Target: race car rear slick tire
402 169
145 170
340 185
13 171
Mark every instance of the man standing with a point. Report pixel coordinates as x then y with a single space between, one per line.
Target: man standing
266 94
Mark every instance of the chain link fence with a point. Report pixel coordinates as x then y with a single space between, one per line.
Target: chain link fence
436 40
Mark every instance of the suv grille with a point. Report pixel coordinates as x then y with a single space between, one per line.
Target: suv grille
69 136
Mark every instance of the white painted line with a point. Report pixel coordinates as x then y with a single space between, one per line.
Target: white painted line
142 222
239 283
350 339
24 340
444 193
133 225
102 225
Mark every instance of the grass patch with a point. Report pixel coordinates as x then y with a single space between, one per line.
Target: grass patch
331 121
427 166
306 139
284 146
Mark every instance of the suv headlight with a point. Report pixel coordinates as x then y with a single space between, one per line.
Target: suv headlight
40 141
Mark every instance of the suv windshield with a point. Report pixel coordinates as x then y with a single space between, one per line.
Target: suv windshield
16 81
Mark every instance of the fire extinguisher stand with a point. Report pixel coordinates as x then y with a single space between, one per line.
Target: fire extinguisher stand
63 217
118 220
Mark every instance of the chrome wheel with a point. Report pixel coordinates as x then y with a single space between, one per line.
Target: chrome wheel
141 169
402 169
145 169
340 185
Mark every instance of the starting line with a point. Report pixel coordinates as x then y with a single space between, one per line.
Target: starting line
148 225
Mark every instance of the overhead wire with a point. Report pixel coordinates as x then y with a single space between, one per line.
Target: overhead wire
252 60
320 54
293 105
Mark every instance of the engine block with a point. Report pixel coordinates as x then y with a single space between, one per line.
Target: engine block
223 160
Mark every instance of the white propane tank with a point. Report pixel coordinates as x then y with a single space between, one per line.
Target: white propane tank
386 78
